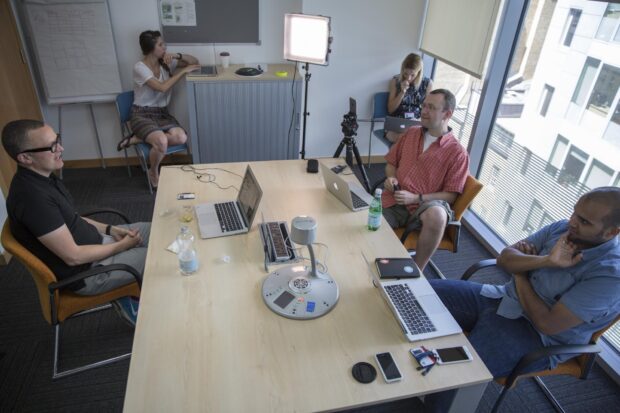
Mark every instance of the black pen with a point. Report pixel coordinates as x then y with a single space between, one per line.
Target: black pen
425 372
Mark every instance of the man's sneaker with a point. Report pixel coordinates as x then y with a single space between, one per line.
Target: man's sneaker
127 309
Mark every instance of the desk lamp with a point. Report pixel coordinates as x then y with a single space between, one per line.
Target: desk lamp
296 291
306 40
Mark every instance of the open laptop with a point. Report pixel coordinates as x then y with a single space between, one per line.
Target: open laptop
399 125
418 309
231 217
208 70
349 194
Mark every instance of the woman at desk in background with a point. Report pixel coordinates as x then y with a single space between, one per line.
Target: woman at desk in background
407 91
153 80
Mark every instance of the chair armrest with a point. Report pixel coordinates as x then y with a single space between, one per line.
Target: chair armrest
478 266
107 211
94 271
536 355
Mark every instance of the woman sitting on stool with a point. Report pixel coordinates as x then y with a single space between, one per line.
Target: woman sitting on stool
153 80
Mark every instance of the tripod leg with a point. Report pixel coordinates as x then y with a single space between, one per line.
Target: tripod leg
360 165
339 150
349 157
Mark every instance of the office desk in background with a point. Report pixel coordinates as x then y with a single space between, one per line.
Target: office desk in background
235 118
207 342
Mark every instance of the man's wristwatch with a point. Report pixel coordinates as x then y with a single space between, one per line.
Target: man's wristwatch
107 229
179 56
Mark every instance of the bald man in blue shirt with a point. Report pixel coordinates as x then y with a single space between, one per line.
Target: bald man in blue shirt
565 286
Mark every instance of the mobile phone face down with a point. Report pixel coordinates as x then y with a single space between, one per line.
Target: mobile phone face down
452 355
388 367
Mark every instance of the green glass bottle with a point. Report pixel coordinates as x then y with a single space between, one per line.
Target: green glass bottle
375 211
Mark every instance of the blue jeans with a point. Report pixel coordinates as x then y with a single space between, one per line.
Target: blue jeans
500 342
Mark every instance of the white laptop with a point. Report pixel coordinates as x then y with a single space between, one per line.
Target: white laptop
348 193
231 217
418 309
399 125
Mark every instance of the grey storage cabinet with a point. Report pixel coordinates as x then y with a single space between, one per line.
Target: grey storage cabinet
239 120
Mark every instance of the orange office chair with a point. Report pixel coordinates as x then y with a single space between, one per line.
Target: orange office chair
58 304
578 367
450 240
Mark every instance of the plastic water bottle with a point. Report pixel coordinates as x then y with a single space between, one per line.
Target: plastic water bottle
188 261
375 211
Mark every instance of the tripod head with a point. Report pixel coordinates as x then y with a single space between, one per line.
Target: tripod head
349 121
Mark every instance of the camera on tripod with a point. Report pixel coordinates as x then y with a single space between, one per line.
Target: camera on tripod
349 121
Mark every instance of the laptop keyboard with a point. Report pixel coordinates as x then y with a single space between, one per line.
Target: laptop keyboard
228 216
357 201
410 311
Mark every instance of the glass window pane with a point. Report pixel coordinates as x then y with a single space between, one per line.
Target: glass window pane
605 90
571 26
598 175
545 100
585 80
466 89
609 22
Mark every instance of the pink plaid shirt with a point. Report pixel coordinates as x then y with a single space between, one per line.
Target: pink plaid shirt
444 166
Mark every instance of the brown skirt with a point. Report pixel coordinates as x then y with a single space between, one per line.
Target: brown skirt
145 120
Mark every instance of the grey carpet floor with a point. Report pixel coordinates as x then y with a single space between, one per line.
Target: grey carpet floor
27 340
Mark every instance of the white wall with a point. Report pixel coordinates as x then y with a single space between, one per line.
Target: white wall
370 40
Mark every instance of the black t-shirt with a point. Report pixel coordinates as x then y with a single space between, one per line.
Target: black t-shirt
38 205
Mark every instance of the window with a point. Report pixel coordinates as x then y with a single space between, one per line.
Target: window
534 217
585 80
466 89
608 28
526 161
507 213
494 175
598 175
502 142
545 100
604 90
570 26
612 133
574 164
557 155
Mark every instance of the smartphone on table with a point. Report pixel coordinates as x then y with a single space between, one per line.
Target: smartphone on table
388 367
452 355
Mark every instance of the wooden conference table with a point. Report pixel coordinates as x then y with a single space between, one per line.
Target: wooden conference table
207 342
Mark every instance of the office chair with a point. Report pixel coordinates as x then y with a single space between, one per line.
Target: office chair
124 101
578 367
379 112
59 304
450 240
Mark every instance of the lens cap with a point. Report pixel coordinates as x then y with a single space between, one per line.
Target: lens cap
364 372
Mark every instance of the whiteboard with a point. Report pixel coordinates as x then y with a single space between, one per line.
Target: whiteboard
74 50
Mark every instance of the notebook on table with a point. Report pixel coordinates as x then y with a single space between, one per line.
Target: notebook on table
353 196
231 217
418 309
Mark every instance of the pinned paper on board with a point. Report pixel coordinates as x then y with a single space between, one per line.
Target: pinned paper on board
178 13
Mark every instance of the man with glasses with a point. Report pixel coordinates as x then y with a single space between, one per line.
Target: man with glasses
426 170
43 218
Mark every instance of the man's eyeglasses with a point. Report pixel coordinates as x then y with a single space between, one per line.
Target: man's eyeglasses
53 148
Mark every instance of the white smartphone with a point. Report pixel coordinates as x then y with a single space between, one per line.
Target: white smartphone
388 367
453 355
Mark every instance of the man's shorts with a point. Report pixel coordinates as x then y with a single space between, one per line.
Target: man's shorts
398 215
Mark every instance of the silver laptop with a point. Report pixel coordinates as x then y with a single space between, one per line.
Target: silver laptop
418 309
231 217
348 193
399 125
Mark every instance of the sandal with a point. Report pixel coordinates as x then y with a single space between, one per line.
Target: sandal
124 143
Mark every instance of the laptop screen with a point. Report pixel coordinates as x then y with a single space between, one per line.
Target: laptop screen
249 196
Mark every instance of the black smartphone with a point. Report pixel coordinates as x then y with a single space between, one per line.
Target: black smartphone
313 166
453 355
396 268
388 367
